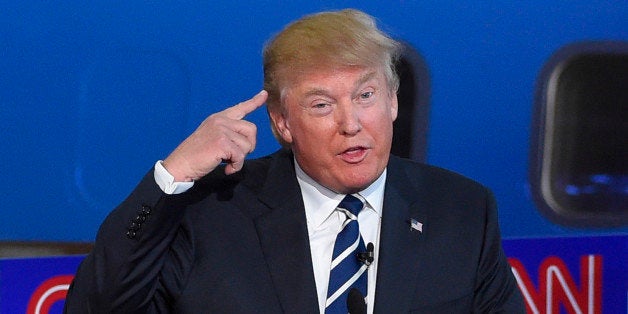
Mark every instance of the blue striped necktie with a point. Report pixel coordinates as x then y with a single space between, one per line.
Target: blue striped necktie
346 270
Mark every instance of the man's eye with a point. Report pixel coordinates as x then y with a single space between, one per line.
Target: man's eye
366 95
320 105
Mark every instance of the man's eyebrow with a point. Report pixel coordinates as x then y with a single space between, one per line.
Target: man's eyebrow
365 78
316 92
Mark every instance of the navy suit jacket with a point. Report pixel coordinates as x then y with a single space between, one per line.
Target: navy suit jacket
239 244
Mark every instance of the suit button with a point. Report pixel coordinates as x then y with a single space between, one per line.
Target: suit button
134 226
139 219
146 209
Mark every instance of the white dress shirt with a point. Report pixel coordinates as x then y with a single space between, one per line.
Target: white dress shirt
166 181
323 223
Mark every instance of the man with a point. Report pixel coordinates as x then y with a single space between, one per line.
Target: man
207 231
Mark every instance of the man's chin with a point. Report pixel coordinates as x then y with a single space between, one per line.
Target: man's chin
354 185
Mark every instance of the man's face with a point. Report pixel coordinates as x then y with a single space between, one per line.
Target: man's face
339 123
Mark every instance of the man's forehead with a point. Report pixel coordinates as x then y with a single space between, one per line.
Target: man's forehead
317 81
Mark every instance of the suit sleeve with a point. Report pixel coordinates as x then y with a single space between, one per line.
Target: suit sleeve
496 289
140 258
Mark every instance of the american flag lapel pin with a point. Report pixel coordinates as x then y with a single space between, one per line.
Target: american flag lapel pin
416 225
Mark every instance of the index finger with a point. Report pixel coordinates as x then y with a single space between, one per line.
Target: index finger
240 110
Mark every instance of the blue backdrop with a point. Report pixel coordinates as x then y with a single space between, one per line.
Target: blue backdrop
93 93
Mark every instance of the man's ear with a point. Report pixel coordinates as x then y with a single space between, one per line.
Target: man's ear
281 126
394 107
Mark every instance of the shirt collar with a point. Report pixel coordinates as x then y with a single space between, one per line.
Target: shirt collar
320 202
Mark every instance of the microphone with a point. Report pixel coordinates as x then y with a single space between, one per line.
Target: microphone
355 302
367 257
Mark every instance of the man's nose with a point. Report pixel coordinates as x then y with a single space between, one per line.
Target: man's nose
349 119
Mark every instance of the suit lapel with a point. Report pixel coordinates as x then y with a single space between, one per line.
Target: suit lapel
283 235
400 253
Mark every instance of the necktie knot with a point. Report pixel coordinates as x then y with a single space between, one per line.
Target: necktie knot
352 204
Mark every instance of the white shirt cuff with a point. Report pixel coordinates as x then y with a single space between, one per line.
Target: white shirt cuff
166 182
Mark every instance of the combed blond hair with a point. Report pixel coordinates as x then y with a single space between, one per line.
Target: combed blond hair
326 40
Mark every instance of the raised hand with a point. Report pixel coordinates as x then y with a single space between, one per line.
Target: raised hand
223 136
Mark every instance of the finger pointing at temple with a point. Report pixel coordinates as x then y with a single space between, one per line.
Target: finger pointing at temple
222 137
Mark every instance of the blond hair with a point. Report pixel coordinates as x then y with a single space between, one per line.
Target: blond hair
328 39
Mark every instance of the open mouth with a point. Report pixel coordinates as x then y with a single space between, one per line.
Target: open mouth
354 154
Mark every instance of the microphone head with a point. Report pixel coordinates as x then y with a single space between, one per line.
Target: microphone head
355 302
367 257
